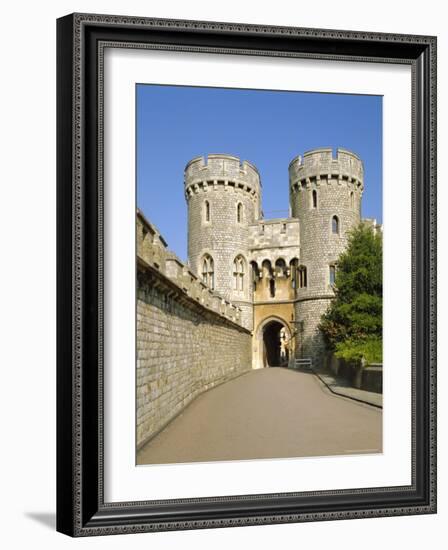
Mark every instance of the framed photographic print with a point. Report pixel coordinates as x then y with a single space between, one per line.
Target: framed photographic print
246 274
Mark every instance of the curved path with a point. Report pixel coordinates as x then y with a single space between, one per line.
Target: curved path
267 413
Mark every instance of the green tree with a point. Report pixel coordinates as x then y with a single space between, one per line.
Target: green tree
353 323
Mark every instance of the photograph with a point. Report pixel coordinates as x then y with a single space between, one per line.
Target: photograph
259 274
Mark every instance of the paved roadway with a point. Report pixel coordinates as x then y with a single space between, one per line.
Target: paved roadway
267 413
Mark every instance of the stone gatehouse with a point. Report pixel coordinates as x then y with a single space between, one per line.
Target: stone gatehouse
254 289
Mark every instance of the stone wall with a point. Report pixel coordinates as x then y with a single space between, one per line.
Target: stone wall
310 341
274 240
189 339
152 251
358 374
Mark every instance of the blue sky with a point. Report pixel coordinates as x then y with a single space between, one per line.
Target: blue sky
268 128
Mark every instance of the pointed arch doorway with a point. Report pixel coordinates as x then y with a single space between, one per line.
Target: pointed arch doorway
274 344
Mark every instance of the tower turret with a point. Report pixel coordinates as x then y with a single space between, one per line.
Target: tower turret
325 195
223 197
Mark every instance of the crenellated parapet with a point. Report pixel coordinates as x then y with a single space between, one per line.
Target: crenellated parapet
150 244
153 253
202 175
274 240
320 167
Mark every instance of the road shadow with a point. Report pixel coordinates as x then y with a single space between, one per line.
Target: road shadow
336 381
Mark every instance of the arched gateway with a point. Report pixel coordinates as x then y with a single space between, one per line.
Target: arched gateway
272 343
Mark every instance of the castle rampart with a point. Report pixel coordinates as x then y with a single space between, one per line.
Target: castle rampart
152 251
189 338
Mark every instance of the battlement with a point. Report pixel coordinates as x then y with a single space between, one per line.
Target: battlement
320 163
153 253
274 239
219 169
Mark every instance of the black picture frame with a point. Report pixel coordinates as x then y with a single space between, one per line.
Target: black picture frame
81 510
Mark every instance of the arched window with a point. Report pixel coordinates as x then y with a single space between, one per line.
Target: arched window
332 274
280 267
239 213
335 225
206 211
268 276
208 272
266 269
293 271
301 277
314 198
255 275
352 200
238 273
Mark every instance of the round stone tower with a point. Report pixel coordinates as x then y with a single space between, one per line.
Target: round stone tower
223 197
325 195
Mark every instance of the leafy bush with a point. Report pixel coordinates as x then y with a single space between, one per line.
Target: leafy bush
353 350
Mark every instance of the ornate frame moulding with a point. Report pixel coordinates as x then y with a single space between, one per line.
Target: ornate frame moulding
81 508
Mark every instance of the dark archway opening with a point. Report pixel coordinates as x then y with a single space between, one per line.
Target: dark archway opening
274 349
